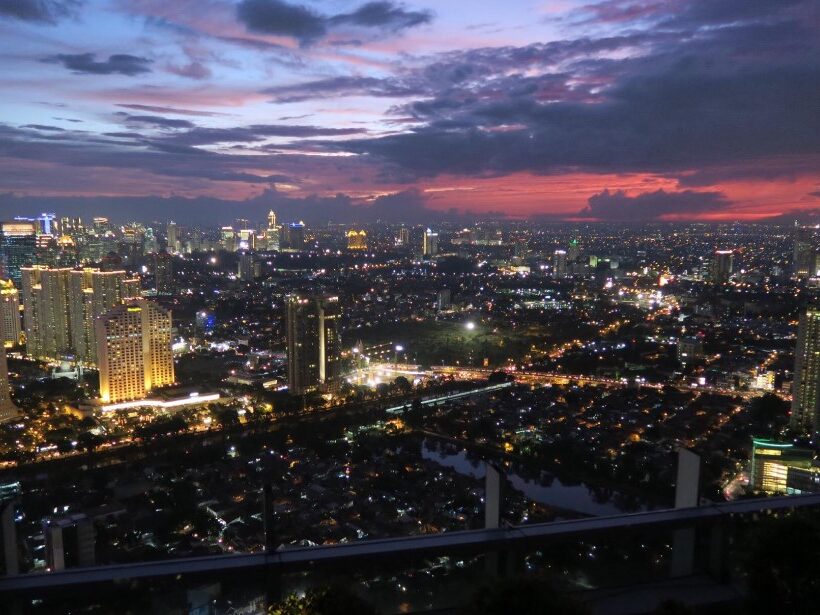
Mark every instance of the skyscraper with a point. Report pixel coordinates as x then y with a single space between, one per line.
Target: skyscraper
8 411
9 313
173 238
272 232
722 266
293 235
803 260
228 239
404 236
46 311
429 244
574 252
18 246
313 343
133 351
92 293
806 387
164 273
559 264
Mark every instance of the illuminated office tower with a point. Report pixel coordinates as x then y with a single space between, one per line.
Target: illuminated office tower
356 240
313 343
172 236
93 293
272 232
164 273
722 266
18 246
247 239
806 387
803 260
8 411
133 351
9 313
404 236
293 235
574 252
228 239
429 243
559 264
46 311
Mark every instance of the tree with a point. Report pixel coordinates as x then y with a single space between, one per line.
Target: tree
403 384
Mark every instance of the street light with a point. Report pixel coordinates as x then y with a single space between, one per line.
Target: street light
470 325
398 349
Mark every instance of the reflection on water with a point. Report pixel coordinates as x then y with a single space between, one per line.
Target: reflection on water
541 487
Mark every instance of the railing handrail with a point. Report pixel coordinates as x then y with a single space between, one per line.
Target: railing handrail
305 557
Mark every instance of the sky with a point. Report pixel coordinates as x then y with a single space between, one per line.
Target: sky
348 110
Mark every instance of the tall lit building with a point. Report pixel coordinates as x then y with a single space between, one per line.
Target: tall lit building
9 313
227 239
559 264
46 311
429 243
404 236
272 232
803 260
574 252
172 233
356 240
293 235
164 273
18 246
134 352
92 293
314 348
8 411
806 387
722 266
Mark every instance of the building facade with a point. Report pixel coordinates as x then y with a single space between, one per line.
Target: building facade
10 329
314 347
806 387
134 353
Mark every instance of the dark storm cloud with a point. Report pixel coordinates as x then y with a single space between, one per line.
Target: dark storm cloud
385 15
119 63
307 25
38 11
618 207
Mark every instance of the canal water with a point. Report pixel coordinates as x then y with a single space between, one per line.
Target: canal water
546 488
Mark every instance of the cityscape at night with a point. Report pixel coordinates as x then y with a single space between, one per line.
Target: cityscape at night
324 307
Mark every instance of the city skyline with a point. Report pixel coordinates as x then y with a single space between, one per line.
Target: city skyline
356 111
